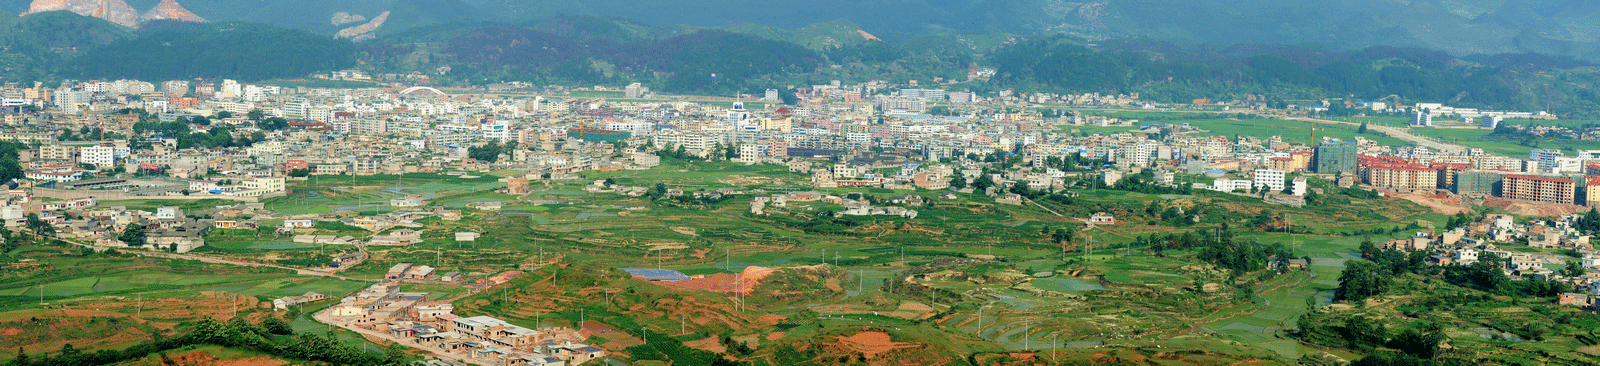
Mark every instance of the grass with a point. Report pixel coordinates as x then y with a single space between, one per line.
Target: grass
1120 290
1291 131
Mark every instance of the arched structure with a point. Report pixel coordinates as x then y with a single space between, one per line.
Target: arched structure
422 88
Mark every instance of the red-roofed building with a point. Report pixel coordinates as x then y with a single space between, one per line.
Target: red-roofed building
307 125
1539 189
1447 172
1591 169
1280 164
1400 176
1592 190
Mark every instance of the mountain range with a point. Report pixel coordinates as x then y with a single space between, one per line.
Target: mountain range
116 11
1459 27
456 43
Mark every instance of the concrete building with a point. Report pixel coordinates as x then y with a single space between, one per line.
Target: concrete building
1401 176
98 156
1477 183
1334 158
1539 189
1270 178
1421 118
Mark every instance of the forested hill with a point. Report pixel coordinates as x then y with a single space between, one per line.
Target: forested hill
748 58
583 50
1459 27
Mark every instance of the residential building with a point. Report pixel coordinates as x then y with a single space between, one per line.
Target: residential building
1401 176
1538 189
98 156
1270 178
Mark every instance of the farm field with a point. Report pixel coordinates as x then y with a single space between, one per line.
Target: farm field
105 301
966 277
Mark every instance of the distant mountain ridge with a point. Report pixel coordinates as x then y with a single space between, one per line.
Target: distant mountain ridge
1460 27
170 10
116 11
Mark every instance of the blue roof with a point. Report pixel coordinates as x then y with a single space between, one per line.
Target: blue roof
653 274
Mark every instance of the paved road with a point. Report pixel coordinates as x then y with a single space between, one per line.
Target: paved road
1396 132
322 316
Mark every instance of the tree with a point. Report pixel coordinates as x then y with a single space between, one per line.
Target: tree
1423 342
276 326
610 182
273 124
1368 250
1360 280
255 115
659 190
1574 269
224 115
1362 129
39 227
487 153
982 183
1363 333
10 169
958 182
133 235
299 172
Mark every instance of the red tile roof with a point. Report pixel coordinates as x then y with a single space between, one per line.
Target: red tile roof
1539 178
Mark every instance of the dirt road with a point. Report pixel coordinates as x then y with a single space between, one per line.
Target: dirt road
208 259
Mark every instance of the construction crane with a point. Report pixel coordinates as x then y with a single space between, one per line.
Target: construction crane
1313 142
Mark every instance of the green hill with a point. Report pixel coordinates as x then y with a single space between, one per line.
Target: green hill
239 50
35 46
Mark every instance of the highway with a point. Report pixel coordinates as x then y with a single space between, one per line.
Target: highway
1396 132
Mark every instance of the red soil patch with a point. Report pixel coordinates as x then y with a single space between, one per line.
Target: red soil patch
1441 203
741 283
772 319
709 344
871 344
775 336
868 36
11 331
618 339
1532 209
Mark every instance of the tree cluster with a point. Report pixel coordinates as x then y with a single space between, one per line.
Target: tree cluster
272 336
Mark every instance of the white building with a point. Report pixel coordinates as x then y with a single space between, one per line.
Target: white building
1491 121
1421 119
498 130
99 156
1269 178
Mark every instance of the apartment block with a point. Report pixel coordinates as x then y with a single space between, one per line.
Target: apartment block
1539 189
